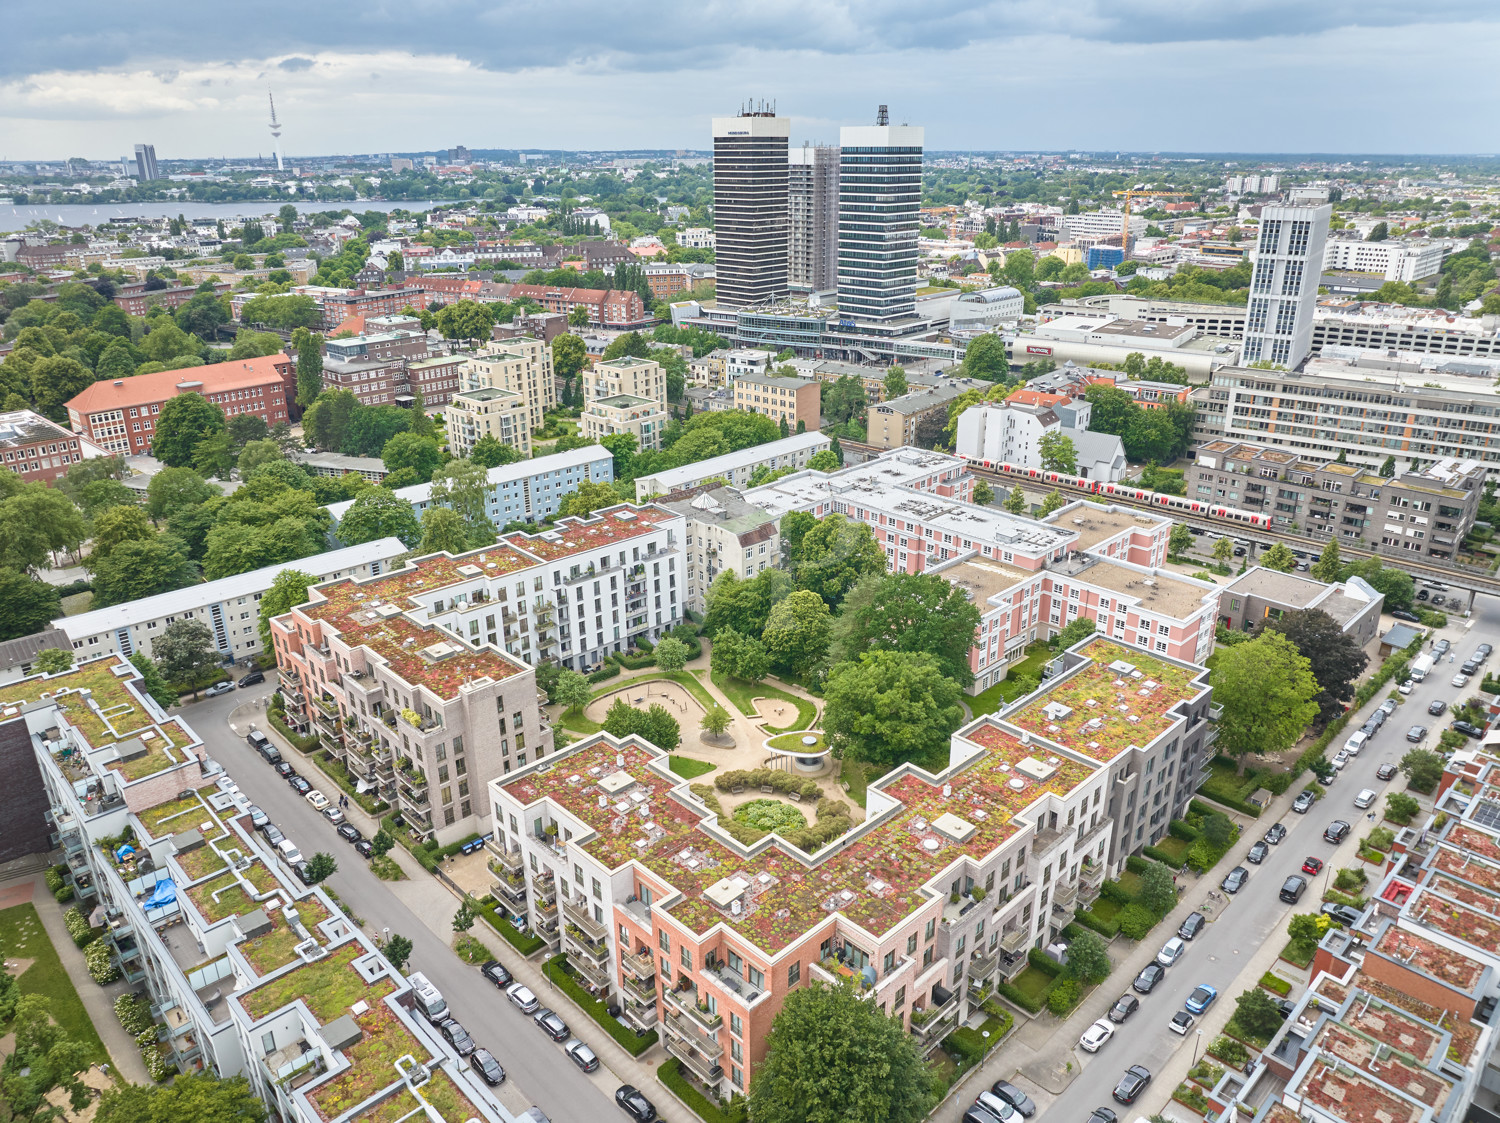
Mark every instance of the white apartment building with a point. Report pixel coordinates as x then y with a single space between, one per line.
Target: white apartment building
504 415
723 532
696 238
526 491
1394 260
743 361
736 468
1284 285
625 395
639 378
1011 433
1099 225
986 308
229 606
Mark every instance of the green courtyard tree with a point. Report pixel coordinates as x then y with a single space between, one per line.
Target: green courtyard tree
739 656
377 513
571 691
568 355
398 950
891 706
200 1095
1088 958
322 865
1057 452
1422 768
797 632
1257 1011
490 453
671 653
1015 502
1329 564
835 554
1335 658
832 1057
463 486
175 489
1180 541
1053 501
309 350
895 382
985 357
1223 550
26 604
137 569
407 450
1267 690
443 529
715 721
1279 557
51 660
984 494
185 651
288 589
654 724
1158 891
915 612
184 421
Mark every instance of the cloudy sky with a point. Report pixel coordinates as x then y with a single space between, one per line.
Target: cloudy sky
94 77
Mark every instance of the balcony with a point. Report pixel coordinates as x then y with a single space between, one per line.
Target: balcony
327 705
937 1021
412 783
687 1032
510 859
685 1003
578 914
1015 940
510 883
641 1017
640 991
1215 712
1065 896
594 974
982 964
641 965
704 1069
544 891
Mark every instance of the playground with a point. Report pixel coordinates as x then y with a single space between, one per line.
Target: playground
643 695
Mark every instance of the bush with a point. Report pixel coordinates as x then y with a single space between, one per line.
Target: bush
1111 890
1163 857
1276 984
470 950
1044 962
134 1013
1064 995
1109 929
670 1074
101 968
1136 921
78 927
59 886
527 943
770 815
558 971
1021 999
300 743
1178 829
608 671
1230 1051
1349 880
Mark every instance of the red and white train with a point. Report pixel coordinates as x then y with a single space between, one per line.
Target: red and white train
1120 491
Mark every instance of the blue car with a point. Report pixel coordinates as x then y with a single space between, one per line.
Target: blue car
1202 998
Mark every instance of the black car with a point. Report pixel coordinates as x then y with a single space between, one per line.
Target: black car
1150 975
1403 614
1470 666
304 871
257 739
274 837
283 769
254 678
1102 1115
349 833
1194 924
1015 1097
1275 834
1127 1005
1336 831
1257 853
1468 729
1440 648
1235 880
458 1037
364 849
1483 652
1436 707
299 785
1132 1084
634 1104
1347 915
552 1025
496 973
1416 733
1385 771
484 1063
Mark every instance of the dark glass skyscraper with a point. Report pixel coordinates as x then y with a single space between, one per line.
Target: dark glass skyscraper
750 207
880 194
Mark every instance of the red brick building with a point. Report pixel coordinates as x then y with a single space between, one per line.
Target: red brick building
135 300
446 290
609 308
339 304
120 416
38 450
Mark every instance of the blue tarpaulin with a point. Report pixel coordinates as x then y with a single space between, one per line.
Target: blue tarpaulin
124 852
164 893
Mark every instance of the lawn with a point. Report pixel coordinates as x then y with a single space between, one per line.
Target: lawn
742 693
687 767
329 986
576 721
78 602
1176 847
1022 679
23 937
1106 910
1033 984
857 775
1299 954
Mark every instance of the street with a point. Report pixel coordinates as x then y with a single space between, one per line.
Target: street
537 1071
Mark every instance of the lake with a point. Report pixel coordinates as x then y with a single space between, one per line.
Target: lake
78 214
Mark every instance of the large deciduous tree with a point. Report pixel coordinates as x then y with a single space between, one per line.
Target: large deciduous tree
891 706
26 604
835 555
797 633
309 350
443 529
655 724
140 568
744 605
1267 690
183 422
201 1096
1057 452
407 450
185 651
915 612
1336 660
568 355
985 357
38 521
377 513
288 589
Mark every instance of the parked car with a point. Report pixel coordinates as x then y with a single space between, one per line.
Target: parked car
1436 707
1365 797
1275 834
254 678
1404 614
316 798
258 818
1483 651
334 814
1235 880
988 1101
364 849
483 1062
1102 1115
1440 648
581 1055
299 785
1470 665
1194 924
976 1114
1336 831
289 852
1388 707
1416 733
1150 975
1015 1097
284 770
304 872
497 973
350 833
274 837
551 1024
1181 1022
1312 865
521 996
1126 1005
1405 687
1258 852
1468 729
1171 951
219 688
1340 759
1096 1035
457 1036
1201 999
635 1104
1461 680
1347 915
1132 1084
1386 771
1303 802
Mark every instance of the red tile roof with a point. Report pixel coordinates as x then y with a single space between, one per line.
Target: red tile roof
214 379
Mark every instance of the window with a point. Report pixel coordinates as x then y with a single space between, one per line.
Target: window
687 958
736 1026
793 973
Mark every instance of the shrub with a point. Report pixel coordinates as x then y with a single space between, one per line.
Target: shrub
670 1074
59 886
561 976
1044 962
134 1013
1178 829
1021 999
608 671
1064 995
1230 1051
1350 879
78 927
1381 838
1111 890
1191 1096
101 968
770 815
1136 921
1109 929
470 950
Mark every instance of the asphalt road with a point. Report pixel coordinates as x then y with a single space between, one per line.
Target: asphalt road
1256 915
536 1069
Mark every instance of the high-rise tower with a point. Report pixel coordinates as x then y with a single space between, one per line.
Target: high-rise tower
750 206
1288 258
813 211
275 129
145 162
880 194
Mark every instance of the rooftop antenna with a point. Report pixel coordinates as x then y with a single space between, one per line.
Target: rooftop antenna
882 116
275 130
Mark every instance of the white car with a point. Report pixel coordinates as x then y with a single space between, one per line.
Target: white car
1364 798
317 799
1096 1035
520 994
1340 759
1181 1022
1460 680
1404 688
1171 952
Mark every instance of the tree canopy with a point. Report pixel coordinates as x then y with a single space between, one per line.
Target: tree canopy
1334 657
891 706
914 612
378 513
1267 690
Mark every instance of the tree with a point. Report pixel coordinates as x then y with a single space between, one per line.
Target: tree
797 633
671 653
464 918
1400 807
1015 502
381 844
578 317
1329 564
184 421
1223 550
1378 233
201 315
214 456
1423 769
288 589
1388 467
1052 501
824 460
1158 891
915 612
1279 557
407 450
568 355
984 495
571 691
43 1057
152 681
1217 829
1267 690
794 527
630 343
246 427
185 651
490 453
1057 453
622 447
891 706
101 495
26 604
377 513
739 656
464 487
443 530
1088 958
51 661
117 526
985 357
1335 659
831 1056
257 453
655 725
326 422
588 498
139 569
715 721
1072 632
1397 587
321 865
465 319
398 950
895 382
1257 1012
309 348
54 381
1180 541
744 605
1307 928
39 521
835 554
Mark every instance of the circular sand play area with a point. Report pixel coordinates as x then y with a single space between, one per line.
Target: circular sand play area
776 712
643 695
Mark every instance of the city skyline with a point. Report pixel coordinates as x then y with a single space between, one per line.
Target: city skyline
198 89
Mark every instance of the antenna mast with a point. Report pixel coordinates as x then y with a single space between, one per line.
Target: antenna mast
275 130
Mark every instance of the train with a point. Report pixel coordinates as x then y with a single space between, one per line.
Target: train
1123 491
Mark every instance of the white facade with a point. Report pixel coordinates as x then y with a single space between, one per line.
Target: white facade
736 468
986 308
696 238
1288 257
1395 261
1010 433
744 361
1100 224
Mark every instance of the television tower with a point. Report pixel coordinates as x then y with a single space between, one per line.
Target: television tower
275 129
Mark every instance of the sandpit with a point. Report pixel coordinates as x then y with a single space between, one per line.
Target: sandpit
643 695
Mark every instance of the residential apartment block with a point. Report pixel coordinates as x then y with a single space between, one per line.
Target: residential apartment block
503 392
431 664
39 451
895 421
625 395
1402 260
796 401
120 415
246 972
943 887
526 491
736 468
723 532
1426 513
382 368
607 308
1010 432
475 414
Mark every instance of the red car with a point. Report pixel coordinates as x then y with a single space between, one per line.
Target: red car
1312 865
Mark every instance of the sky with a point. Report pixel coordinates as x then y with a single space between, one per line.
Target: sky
95 77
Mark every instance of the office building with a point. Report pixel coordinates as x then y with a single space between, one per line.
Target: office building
985 309
795 401
750 207
39 451
526 491
723 532
925 905
1099 226
145 163
420 681
242 970
880 192
736 468
813 217
1288 260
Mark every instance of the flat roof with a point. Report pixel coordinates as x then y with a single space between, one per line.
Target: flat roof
1273 585
23 427
983 578
627 401
1156 590
672 478
1093 523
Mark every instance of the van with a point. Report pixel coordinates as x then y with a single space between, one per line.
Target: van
1356 742
1293 888
429 999
288 851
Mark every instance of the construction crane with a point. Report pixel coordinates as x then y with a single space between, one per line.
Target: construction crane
1138 193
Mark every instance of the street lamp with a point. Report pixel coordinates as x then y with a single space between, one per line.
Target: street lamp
1197 1044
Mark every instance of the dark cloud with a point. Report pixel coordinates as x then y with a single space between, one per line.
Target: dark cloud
295 64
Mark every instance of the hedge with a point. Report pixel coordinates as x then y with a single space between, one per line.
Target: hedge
1163 857
1178 829
968 1046
298 742
1044 962
429 854
1110 890
670 1074
609 670
335 771
1136 864
1011 994
57 884
1109 929
1276 984
1064 995
527 943
557 970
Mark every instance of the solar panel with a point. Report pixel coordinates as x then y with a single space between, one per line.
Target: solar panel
1487 813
